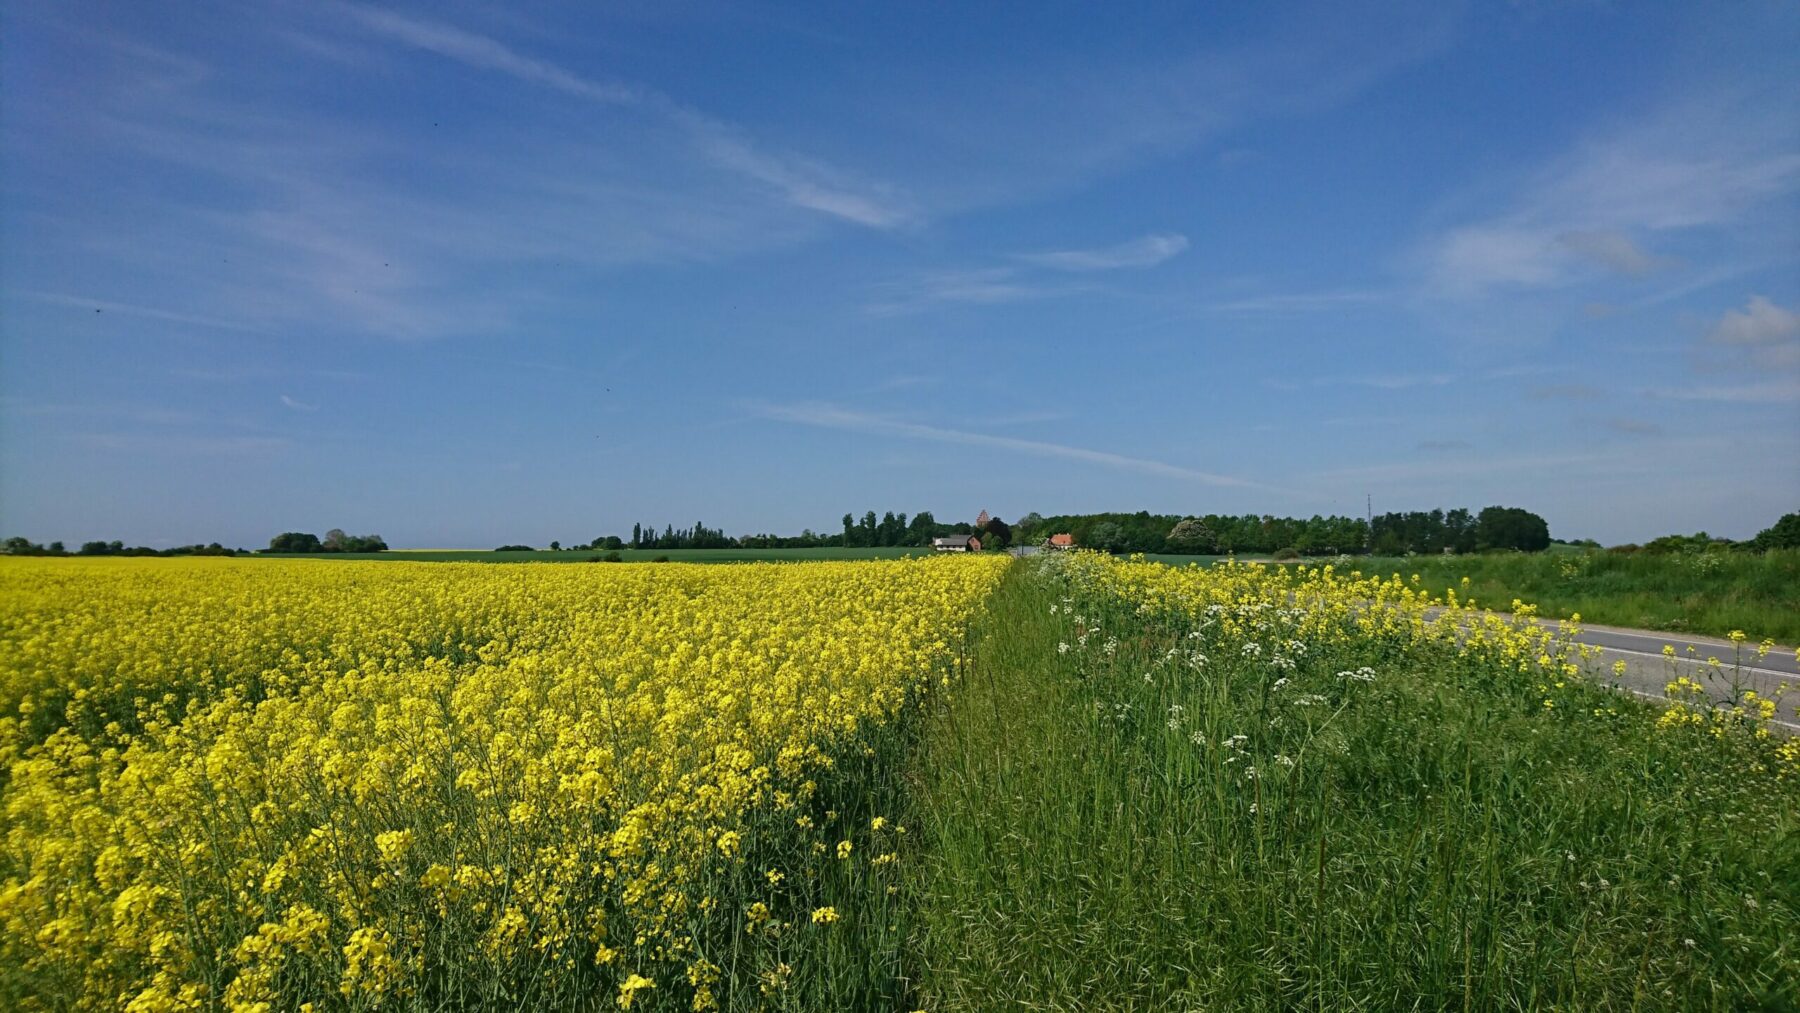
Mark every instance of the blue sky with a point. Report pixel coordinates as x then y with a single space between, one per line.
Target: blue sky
461 275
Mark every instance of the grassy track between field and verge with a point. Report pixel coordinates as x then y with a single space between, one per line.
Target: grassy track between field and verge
1163 789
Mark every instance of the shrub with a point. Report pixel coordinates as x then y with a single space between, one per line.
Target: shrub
291 541
1783 534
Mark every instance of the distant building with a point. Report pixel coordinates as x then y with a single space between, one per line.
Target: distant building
981 522
957 543
1062 541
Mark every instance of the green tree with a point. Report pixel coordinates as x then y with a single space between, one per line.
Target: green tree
1191 534
1027 528
1783 534
995 534
922 529
1108 536
288 541
1499 527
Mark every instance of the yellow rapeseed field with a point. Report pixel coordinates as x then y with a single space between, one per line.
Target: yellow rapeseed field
298 784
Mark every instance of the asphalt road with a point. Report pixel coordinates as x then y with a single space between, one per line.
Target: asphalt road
1648 670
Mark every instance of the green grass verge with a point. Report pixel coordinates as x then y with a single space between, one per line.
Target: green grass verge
1710 594
1433 839
1714 593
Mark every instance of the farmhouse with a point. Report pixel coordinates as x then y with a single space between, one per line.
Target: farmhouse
1062 541
957 543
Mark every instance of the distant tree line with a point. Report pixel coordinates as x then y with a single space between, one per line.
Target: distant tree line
697 537
807 539
894 529
335 541
27 547
1424 532
891 529
1434 531
1494 528
1783 534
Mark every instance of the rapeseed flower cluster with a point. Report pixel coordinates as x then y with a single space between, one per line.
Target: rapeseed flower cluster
1273 616
1288 611
268 784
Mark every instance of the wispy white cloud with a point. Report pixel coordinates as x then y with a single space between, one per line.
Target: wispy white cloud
490 54
1026 418
1699 283
1630 426
1767 333
1564 392
1032 123
313 238
1377 381
1031 276
237 373
1704 163
297 404
1464 466
1775 391
138 415
904 381
1144 251
804 182
1612 249
133 309
1301 302
987 286
824 416
185 444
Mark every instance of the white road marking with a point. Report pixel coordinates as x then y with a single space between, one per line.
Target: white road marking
1723 668
1664 699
